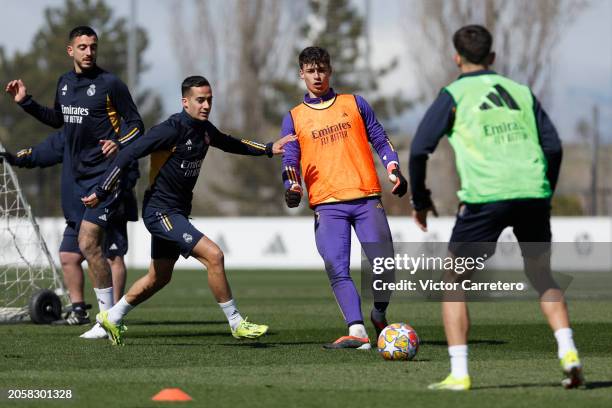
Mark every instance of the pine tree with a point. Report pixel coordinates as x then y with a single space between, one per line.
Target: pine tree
338 26
40 68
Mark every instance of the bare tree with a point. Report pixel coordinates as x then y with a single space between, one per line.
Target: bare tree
525 33
242 47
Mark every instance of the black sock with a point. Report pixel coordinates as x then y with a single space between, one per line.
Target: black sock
79 308
381 306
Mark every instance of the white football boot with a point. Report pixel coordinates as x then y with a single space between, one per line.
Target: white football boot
96 332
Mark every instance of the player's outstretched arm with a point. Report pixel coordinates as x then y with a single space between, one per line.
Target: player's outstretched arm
47 153
7 157
49 116
230 144
23 158
278 147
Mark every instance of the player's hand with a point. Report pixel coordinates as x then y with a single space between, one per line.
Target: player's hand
278 147
17 89
395 176
293 195
8 157
109 147
420 216
91 201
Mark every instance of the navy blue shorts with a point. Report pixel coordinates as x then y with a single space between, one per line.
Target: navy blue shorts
103 213
171 233
478 226
115 242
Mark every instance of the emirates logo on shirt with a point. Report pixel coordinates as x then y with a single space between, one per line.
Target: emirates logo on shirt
332 133
331 130
74 114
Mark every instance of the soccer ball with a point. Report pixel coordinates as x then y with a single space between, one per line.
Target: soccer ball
398 341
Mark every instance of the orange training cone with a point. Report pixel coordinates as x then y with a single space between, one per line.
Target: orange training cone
171 394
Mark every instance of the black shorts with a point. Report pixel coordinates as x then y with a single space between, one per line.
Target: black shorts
104 212
171 233
478 226
115 240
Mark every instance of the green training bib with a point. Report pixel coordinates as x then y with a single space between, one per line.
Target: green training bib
495 139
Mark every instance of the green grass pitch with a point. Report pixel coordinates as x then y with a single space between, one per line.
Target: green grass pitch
181 339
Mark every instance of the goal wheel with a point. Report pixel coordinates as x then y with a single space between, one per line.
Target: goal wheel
45 307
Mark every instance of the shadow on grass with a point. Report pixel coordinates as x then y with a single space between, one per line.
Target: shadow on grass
522 385
173 335
593 385
200 345
173 322
444 344
589 385
239 343
249 344
255 344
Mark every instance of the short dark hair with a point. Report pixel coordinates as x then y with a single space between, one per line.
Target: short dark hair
314 56
473 42
82 30
193 81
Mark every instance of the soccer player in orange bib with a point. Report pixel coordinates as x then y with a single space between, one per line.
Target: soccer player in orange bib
333 153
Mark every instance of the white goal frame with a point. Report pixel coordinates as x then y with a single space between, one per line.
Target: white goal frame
26 265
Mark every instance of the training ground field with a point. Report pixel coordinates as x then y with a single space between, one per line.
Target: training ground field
180 339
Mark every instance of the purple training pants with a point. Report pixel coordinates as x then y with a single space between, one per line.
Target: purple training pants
333 222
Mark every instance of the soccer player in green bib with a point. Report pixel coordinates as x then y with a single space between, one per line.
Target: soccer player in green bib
508 156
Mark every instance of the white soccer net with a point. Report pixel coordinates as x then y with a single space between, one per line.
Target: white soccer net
25 262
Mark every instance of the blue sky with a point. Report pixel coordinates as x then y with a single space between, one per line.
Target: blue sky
582 76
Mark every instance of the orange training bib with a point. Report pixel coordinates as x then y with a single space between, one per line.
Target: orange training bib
336 160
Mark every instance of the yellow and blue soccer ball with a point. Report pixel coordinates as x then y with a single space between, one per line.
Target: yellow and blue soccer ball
398 341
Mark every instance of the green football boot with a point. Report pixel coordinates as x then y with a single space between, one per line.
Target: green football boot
572 370
452 383
114 331
248 330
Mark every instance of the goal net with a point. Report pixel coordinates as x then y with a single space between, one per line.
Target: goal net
25 262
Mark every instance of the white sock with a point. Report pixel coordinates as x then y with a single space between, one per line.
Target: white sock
231 312
358 330
105 298
565 341
459 360
118 312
